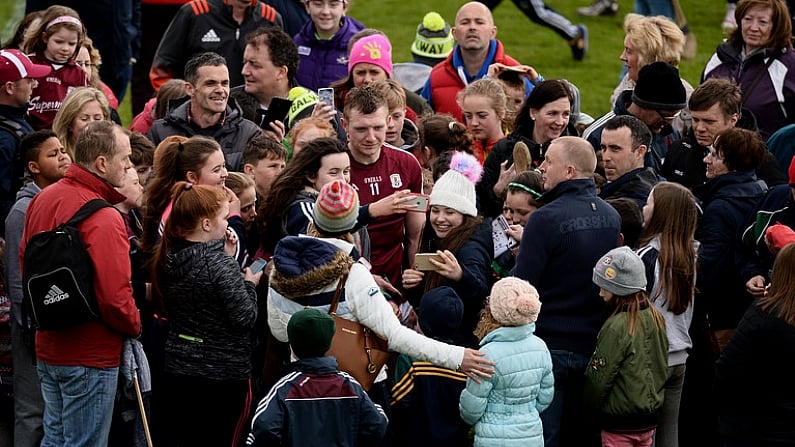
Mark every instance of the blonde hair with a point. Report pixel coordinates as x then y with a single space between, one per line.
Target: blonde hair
655 38
494 90
70 108
393 92
486 324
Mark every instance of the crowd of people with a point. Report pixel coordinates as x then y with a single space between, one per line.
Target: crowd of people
541 277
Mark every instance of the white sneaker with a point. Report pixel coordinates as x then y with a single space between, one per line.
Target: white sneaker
599 8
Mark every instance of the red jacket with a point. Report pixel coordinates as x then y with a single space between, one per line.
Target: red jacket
143 121
94 344
445 82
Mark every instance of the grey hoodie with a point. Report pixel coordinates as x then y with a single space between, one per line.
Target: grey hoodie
15 223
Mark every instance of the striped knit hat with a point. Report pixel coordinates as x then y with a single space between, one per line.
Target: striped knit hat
336 208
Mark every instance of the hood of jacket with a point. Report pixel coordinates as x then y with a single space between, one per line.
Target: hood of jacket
178 112
28 191
304 265
180 263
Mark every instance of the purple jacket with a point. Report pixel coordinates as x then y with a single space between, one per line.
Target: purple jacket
773 98
324 61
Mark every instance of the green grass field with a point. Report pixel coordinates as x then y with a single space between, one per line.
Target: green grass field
531 44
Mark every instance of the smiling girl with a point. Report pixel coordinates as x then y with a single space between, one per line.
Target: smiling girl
55 41
462 242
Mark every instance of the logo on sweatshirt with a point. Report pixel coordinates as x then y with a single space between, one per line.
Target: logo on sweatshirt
211 36
397 182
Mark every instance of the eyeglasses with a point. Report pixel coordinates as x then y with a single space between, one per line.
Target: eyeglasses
332 4
84 64
668 118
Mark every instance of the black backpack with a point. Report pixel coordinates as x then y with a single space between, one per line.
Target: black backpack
58 275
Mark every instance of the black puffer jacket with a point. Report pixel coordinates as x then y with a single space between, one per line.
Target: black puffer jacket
211 312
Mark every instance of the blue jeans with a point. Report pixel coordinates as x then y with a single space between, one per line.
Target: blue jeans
655 8
78 404
565 421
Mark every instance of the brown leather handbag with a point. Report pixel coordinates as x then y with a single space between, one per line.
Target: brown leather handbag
359 351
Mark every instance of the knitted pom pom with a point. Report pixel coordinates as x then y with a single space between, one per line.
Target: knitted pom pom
467 165
433 21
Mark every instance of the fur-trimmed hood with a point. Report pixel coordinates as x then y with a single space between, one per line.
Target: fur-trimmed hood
305 265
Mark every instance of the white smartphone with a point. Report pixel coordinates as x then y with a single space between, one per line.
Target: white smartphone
326 95
420 202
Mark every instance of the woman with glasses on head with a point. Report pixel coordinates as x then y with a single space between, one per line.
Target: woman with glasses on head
731 192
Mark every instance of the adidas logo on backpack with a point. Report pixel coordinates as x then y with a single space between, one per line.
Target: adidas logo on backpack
54 295
211 36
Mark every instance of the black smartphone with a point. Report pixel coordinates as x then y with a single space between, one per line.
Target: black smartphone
257 265
277 111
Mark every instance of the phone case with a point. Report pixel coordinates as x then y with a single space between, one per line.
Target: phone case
421 203
422 261
326 95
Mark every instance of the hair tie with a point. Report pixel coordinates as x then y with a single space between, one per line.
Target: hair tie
64 19
188 186
451 125
530 190
180 147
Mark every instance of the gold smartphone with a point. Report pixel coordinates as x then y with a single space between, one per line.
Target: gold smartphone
422 261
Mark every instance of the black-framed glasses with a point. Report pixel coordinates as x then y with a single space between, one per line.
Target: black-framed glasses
668 118
84 64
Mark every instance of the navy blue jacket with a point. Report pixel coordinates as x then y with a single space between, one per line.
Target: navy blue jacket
560 245
9 145
475 258
317 405
635 185
728 201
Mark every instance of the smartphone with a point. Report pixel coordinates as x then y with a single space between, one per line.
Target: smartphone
257 265
422 261
326 95
420 202
277 111
502 222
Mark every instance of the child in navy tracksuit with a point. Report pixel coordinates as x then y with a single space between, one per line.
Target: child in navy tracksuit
425 396
316 404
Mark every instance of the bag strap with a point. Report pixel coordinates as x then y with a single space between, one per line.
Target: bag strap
336 300
89 208
758 77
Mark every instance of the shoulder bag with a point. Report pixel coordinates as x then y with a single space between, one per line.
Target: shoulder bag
359 351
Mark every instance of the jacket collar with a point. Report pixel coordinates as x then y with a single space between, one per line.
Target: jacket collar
83 176
570 187
317 365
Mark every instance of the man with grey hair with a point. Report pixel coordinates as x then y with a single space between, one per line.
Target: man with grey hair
560 245
79 366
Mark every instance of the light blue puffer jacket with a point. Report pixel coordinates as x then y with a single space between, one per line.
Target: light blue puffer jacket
505 408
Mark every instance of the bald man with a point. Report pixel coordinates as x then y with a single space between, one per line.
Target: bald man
476 48
560 245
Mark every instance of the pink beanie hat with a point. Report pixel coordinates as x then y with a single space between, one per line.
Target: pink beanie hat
374 49
514 302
